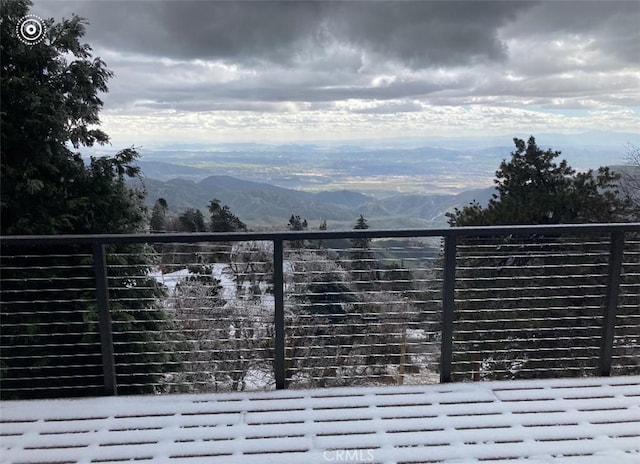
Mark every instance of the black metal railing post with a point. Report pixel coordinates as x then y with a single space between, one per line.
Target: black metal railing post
611 304
448 308
278 294
104 319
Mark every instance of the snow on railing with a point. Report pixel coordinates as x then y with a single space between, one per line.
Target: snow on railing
101 314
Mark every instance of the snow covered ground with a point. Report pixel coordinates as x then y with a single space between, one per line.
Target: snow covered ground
559 421
220 271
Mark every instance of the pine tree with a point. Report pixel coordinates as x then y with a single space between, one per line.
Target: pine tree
192 220
158 221
363 243
534 189
297 224
363 263
223 220
50 100
528 305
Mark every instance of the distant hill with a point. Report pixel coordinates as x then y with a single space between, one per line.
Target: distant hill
263 204
166 171
426 210
257 202
380 170
347 198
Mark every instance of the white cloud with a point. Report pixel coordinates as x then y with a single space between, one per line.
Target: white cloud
270 71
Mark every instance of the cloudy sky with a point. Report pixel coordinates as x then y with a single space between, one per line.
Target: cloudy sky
207 71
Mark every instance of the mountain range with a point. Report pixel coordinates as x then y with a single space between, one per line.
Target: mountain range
262 204
404 184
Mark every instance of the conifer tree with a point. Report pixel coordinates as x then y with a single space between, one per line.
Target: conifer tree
50 96
297 224
158 219
532 188
223 220
363 262
192 220
530 305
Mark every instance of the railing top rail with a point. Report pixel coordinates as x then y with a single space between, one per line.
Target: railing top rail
121 239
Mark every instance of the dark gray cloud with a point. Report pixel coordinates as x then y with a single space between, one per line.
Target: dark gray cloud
257 66
613 25
419 34
422 34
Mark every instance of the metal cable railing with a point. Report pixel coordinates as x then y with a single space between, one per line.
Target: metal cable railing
89 315
529 307
361 312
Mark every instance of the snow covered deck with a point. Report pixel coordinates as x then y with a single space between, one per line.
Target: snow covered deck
586 420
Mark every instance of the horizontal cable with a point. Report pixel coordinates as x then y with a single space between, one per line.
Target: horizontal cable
527 278
396 309
530 329
536 288
500 321
520 268
491 343
537 298
82 388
